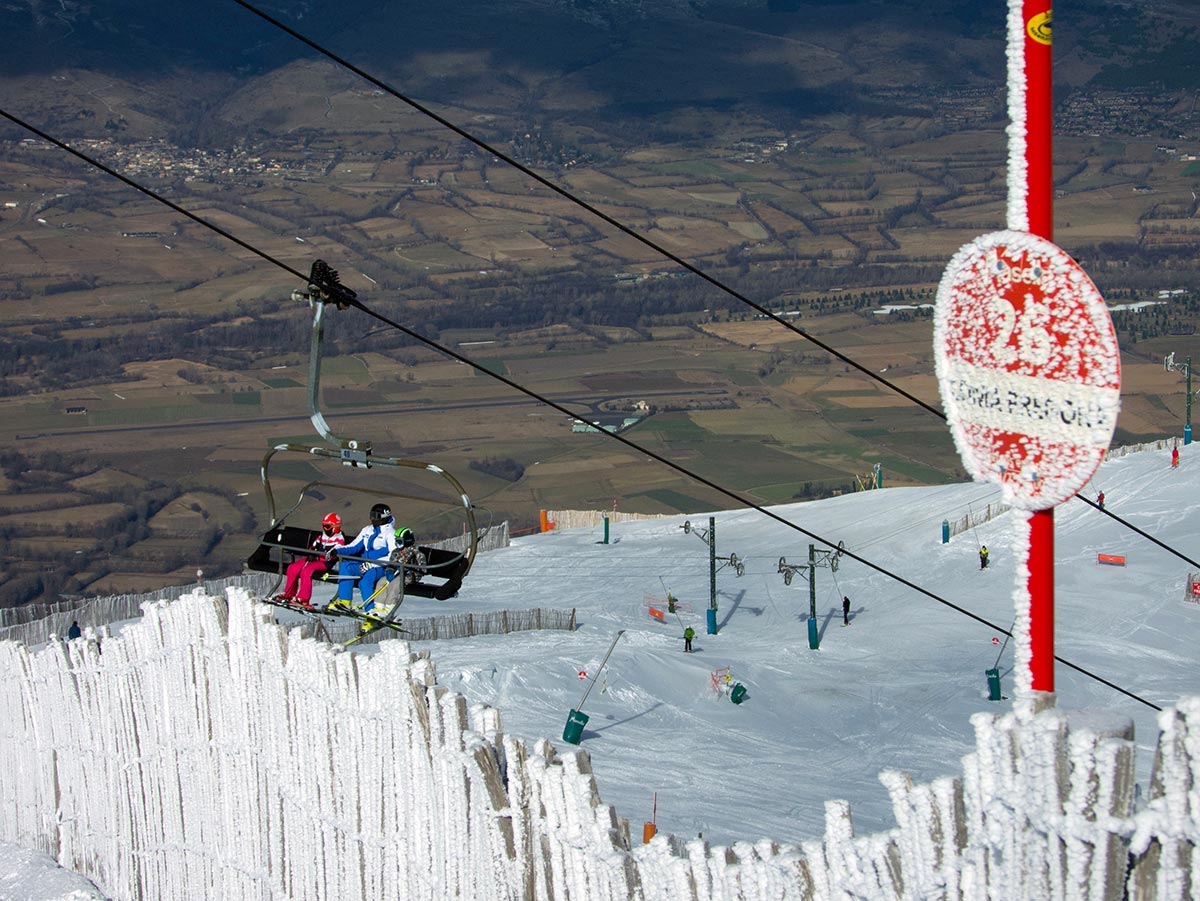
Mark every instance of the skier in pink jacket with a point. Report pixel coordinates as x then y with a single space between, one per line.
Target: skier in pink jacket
300 574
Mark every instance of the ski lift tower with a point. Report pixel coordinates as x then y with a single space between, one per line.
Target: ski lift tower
709 537
1186 368
828 557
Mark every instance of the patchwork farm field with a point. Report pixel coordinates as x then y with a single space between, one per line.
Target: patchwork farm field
704 404
155 363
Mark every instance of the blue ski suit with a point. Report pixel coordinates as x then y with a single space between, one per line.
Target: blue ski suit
375 543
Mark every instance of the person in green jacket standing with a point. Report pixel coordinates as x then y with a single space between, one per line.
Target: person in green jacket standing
688 634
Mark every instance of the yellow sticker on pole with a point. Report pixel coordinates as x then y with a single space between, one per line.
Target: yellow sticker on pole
1038 27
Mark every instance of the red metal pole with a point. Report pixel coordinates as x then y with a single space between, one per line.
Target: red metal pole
1039 201
1041 600
1039 119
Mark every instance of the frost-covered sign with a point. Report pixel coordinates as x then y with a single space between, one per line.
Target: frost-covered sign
1028 367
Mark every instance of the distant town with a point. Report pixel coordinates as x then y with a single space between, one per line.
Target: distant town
1170 117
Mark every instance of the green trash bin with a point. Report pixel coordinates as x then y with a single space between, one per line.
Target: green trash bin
738 694
993 677
573 731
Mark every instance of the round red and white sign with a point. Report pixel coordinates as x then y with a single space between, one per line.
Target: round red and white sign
1028 367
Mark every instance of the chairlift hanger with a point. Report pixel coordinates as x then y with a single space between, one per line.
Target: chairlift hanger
324 289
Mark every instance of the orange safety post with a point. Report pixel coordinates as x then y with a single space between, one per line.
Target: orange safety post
650 828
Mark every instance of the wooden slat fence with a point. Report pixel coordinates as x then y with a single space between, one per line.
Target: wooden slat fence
457 625
1044 807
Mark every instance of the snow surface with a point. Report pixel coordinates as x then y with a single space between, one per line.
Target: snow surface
893 691
33 876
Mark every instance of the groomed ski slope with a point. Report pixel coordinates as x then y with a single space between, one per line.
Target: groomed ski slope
894 690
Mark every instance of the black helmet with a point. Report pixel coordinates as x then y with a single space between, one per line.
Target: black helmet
381 514
406 537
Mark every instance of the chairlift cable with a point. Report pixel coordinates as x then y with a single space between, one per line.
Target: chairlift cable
580 202
528 392
624 229
199 220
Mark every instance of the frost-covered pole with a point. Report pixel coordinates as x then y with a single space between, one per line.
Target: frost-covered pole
1026 355
1031 209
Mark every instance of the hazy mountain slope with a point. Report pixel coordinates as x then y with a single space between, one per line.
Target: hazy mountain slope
620 57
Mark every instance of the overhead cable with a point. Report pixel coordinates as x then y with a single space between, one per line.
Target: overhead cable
578 201
624 229
528 392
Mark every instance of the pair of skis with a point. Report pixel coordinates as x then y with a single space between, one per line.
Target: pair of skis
370 624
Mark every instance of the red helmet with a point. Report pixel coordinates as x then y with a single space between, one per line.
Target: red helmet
332 521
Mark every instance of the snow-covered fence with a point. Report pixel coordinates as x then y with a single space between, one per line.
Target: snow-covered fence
1160 444
489 539
571 519
43 620
977 518
210 753
574 519
27 613
461 625
35 623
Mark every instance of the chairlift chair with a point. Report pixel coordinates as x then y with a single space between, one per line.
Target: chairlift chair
444 570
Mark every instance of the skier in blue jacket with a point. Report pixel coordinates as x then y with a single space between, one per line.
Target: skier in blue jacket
375 542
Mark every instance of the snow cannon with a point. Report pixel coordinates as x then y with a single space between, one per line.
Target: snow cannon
993 678
573 731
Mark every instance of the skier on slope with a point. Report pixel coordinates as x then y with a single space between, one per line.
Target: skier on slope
375 542
688 634
845 610
983 557
300 573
